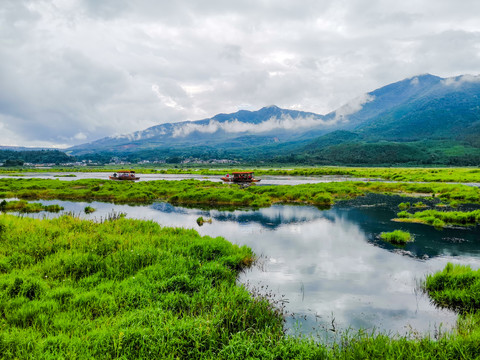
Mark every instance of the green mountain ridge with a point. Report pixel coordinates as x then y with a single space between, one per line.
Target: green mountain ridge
421 120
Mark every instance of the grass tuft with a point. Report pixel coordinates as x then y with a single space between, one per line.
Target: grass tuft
397 237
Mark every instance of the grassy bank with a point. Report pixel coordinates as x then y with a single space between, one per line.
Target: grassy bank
127 289
123 289
387 173
194 192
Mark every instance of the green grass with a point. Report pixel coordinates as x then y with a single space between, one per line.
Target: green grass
457 287
23 206
130 289
441 219
397 237
124 288
89 209
194 192
201 221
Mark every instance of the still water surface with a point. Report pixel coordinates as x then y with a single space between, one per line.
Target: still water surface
328 266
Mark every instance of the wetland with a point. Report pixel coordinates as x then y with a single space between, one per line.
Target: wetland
321 267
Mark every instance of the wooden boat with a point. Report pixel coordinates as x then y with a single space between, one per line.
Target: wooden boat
124 175
240 177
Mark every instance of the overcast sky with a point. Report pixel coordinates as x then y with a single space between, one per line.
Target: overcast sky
73 71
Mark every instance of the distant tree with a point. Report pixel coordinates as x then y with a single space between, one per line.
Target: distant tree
13 162
174 160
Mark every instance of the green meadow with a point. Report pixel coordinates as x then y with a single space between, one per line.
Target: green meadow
196 192
124 289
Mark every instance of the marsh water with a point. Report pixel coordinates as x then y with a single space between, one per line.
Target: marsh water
328 268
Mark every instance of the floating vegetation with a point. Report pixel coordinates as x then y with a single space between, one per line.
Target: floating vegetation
419 205
441 219
89 210
397 237
404 206
201 221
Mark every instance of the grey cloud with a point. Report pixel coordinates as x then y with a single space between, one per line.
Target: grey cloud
80 70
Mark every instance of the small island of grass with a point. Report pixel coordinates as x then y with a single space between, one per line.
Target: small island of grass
23 206
440 219
397 237
89 210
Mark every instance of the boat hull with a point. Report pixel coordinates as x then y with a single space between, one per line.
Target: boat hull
225 179
124 178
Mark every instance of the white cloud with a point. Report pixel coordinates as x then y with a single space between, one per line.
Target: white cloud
80 136
87 67
460 80
353 106
286 122
415 81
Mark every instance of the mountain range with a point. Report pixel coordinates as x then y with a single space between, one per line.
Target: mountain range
425 119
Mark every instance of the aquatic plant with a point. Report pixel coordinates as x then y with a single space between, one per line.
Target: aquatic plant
23 206
89 209
201 221
441 218
456 287
404 206
419 204
397 237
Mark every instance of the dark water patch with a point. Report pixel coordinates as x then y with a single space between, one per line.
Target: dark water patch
373 214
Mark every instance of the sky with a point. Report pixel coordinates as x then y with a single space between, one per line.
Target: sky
73 71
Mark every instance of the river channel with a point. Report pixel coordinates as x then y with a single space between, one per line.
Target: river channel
328 268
